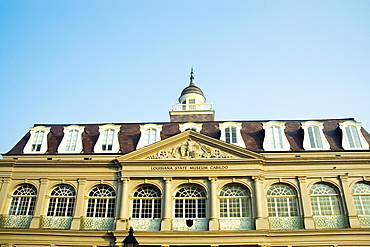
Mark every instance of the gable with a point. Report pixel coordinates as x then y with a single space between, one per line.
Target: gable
190 145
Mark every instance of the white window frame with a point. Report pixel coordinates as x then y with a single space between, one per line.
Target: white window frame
143 137
190 125
63 145
306 139
345 141
44 142
147 200
268 143
238 126
23 200
234 200
61 201
190 203
98 148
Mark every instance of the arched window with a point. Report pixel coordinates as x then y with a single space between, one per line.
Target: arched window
283 207
107 143
230 135
361 195
234 202
37 141
190 202
150 136
101 201
146 203
23 200
326 207
62 201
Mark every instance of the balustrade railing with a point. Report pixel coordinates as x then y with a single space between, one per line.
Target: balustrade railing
15 221
99 224
191 107
56 222
146 224
285 223
330 221
236 224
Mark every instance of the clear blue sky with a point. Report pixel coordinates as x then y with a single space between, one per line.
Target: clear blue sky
127 61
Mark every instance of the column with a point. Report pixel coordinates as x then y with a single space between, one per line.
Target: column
261 219
349 202
4 196
214 211
123 221
306 204
167 206
79 206
40 203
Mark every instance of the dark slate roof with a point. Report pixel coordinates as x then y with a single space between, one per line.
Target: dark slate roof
252 134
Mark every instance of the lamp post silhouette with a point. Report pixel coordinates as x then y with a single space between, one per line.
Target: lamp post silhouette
130 240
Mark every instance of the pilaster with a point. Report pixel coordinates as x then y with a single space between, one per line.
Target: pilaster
214 211
261 205
4 200
40 203
349 202
306 203
167 207
123 221
79 206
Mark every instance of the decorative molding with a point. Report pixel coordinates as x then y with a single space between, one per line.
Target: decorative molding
190 149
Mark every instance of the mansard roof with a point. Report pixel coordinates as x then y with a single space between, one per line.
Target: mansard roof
252 133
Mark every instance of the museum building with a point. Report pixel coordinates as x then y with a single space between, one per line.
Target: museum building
192 181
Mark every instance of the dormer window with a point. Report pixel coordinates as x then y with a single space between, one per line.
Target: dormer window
38 140
275 139
230 133
150 133
108 139
352 136
314 138
72 141
190 126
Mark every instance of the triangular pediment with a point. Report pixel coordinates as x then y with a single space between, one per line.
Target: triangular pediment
190 145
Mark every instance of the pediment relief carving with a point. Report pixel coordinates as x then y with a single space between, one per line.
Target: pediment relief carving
190 149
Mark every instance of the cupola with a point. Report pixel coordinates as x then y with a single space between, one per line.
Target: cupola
192 105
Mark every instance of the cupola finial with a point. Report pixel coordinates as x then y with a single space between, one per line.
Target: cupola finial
192 76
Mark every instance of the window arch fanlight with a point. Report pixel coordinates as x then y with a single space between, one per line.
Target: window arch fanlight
62 201
108 139
361 195
101 202
282 206
352 136
190 202
234 202
23 200
146 203
230 133
38 140
275 138
150 133
72 140
326 207
190 126
314 138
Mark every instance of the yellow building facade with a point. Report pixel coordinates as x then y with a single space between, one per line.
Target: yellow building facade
192 181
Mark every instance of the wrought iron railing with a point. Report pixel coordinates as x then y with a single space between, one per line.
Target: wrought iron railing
56 222
97 223
192 107
330 221
364 221
236 224
190 224
15 221
285 223
146 224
